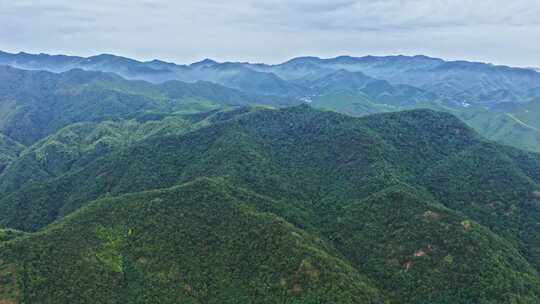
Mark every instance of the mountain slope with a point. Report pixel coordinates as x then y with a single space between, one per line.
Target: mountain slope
202 231
354 93
471 82
506 127
468 89
230 74
432 253
35 104
78 144
9 151
376 190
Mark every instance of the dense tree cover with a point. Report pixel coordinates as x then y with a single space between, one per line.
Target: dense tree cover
78 144
412 206
516 126
9 234
501 103
472 82
202 242
9 151
34 104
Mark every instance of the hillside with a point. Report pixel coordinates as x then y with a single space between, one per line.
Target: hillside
475 92
34 104
230 74
210 250
472 82
78 144
9 151
412 206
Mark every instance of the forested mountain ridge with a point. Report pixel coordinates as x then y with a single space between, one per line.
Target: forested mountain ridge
9 151
469 81
142 182
407 207
79 144
35 104
500 102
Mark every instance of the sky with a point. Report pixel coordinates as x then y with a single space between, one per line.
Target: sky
272 31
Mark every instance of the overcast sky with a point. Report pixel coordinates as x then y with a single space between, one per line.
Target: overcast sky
497 31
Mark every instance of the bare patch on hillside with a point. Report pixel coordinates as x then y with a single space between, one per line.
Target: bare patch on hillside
297 289
9 291
424 251
432 216
309 270
420 253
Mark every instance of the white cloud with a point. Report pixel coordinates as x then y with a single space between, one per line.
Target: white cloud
274 30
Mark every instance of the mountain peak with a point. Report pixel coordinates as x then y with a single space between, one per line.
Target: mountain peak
204 63
303 60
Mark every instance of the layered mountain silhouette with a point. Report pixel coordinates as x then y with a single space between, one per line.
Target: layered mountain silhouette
467 81
149 182
405 207
471 90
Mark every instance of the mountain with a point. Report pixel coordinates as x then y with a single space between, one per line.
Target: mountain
511 127
208 238
229 74
105 63
462 81
473 91
79 144
373 66
237 76
9 151
34 104
291 205
354 93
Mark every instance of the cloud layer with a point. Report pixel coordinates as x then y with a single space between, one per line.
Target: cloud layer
274 30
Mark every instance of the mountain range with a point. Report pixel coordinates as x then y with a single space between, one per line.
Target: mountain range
500 102
294 175
149 182
463 81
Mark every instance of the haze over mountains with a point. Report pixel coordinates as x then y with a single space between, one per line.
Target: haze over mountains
290 172
468 81
149 182
499 102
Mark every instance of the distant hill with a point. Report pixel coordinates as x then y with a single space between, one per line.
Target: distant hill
9 151
470 82
471 90
407 207
202 241
230 74
78 144
35 104
462 81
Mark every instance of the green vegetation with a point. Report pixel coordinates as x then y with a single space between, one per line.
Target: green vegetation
504 127
516 129
35 104
9 151
282 206
126 191
81 143
499 102
202 242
